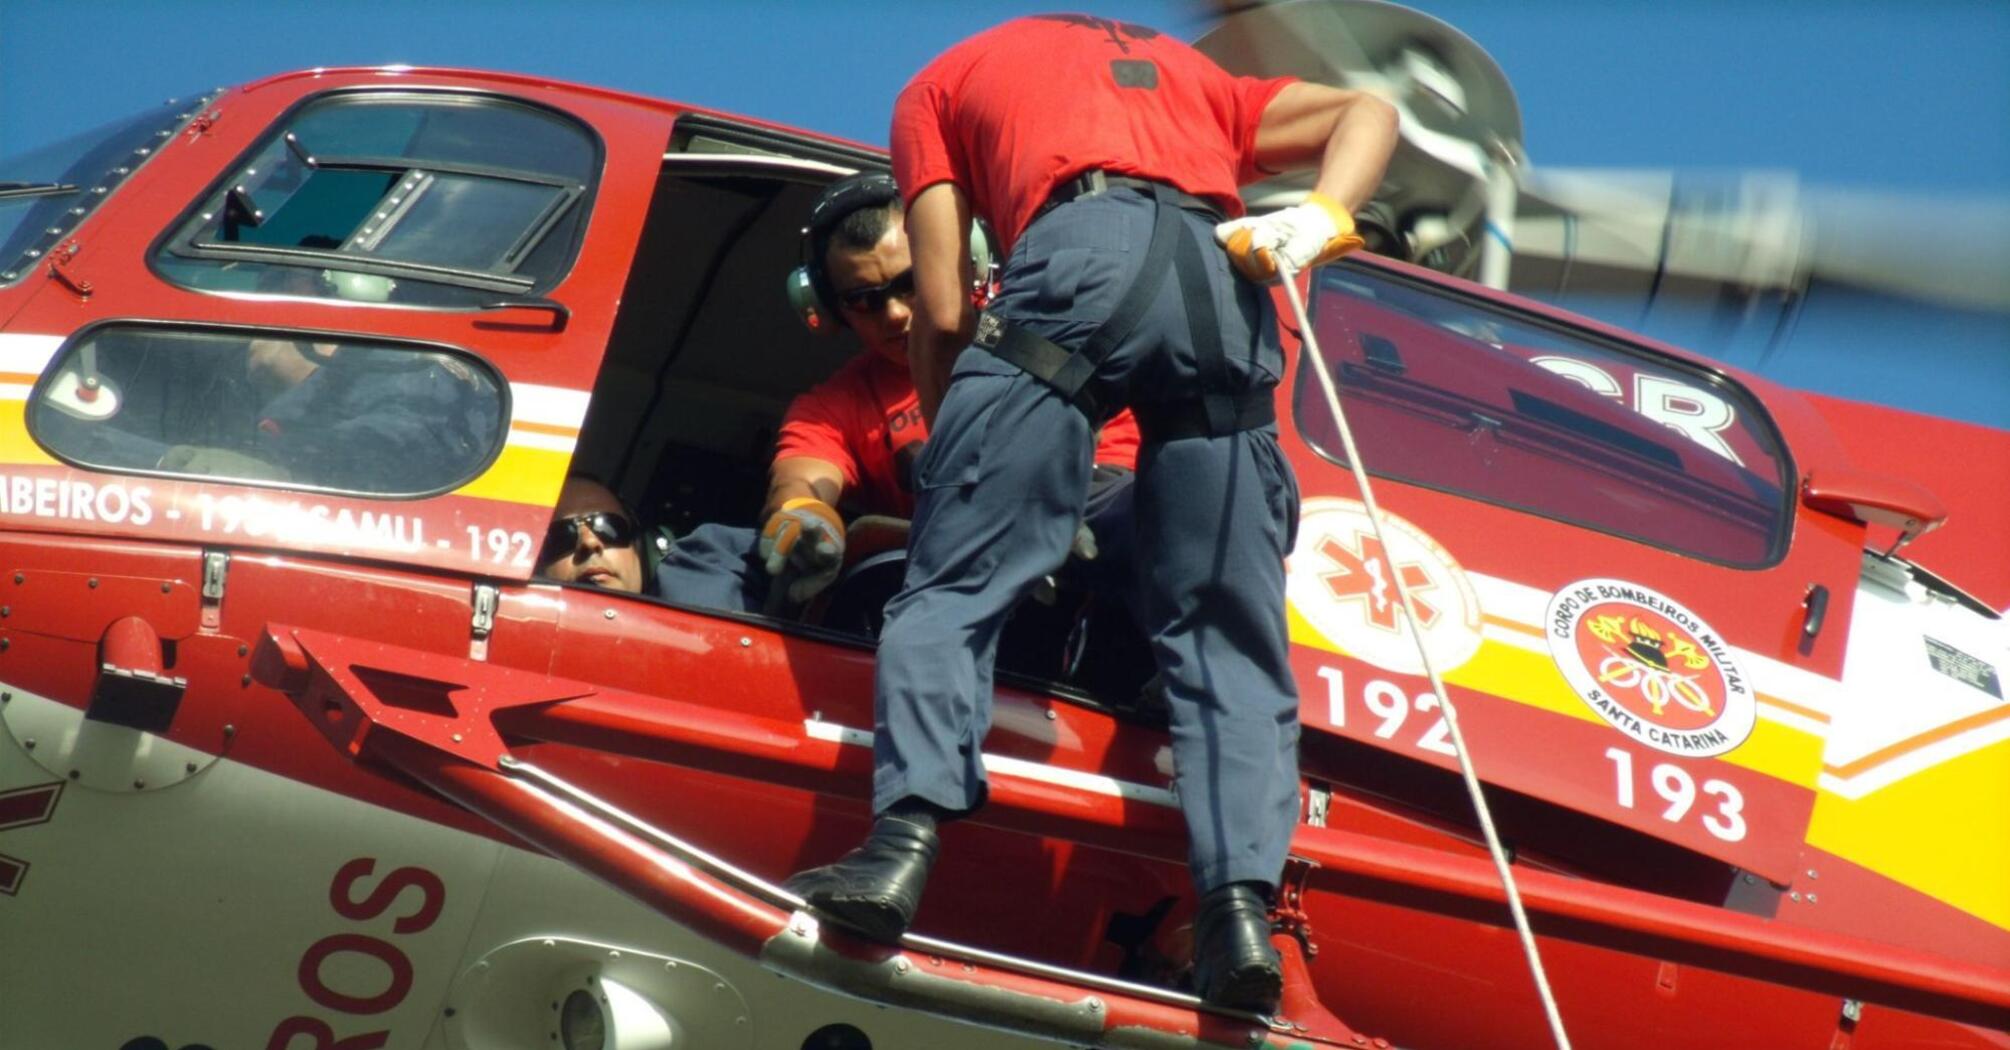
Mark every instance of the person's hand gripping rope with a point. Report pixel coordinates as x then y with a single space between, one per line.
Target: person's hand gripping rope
1308 234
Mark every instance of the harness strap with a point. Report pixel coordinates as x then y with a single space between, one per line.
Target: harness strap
1069 372
1049 362
1205 327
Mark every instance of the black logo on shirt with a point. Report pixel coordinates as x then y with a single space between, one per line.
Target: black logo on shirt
1116 30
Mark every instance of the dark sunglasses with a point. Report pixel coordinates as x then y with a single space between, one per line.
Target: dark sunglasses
614 530
873 299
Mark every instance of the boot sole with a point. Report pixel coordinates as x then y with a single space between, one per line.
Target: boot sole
869 917
1256 989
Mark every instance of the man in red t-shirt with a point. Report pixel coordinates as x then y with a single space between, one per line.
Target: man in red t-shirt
852 440
1105 155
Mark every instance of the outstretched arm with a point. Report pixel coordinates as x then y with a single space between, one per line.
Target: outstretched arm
796 477
1348 135
938 231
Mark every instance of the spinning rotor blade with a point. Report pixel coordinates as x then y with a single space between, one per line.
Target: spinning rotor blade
1721 237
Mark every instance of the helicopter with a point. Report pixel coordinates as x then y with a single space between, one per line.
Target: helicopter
300 752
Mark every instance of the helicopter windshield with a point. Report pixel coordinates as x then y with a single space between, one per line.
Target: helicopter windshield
46 192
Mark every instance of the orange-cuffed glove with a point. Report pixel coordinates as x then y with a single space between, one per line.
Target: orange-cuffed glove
1305 235
807 535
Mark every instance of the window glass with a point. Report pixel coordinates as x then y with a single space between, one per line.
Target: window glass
1447 393
396 197
293 409
46 192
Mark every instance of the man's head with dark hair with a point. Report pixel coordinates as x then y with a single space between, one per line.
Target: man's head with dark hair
863 228
868 270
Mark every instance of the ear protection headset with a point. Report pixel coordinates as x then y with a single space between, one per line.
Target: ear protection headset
810 293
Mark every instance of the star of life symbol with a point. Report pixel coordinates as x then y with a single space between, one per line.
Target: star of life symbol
1343 582
21 808
1361 573
1650 667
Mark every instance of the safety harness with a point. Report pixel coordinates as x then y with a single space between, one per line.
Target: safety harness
1216 411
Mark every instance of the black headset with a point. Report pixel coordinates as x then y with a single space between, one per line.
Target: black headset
810 293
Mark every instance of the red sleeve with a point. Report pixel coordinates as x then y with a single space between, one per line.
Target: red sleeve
1252 97
924 153
1117 443
815 426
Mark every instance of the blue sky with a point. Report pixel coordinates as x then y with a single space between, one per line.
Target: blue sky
1876 95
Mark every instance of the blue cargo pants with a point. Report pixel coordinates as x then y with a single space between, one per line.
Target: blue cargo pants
1001 486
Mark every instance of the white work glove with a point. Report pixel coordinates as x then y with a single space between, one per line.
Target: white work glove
1305 235
806 534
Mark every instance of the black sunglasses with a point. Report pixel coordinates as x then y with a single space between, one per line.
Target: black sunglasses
872 299
614 530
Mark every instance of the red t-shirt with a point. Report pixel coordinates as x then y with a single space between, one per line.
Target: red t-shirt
866 418
1013 111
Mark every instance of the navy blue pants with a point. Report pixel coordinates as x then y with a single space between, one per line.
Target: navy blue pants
1001 486
714 566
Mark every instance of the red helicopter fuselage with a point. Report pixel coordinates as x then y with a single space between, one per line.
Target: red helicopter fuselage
300 753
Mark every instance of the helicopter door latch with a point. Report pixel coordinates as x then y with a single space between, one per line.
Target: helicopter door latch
215 566
486 600
59 268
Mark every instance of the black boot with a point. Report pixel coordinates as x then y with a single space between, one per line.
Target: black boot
875 888
1233 963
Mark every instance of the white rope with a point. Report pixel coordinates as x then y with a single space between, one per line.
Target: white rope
1311 346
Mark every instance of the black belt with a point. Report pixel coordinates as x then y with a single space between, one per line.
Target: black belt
1171 420
1216 411
1095 181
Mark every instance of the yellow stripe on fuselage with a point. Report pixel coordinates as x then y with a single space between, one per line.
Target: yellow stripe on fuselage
521 475
1924 831
16 447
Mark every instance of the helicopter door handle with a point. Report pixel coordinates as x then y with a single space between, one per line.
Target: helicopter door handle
1817 605
559 314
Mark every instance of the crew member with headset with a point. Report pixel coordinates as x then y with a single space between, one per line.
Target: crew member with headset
852 440
1104 154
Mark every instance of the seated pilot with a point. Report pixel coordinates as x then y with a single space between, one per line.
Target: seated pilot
595 539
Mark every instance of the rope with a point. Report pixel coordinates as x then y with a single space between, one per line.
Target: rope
1311 346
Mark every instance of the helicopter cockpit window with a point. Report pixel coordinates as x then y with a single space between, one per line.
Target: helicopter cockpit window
46 192
1449 394
294 409
420 199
